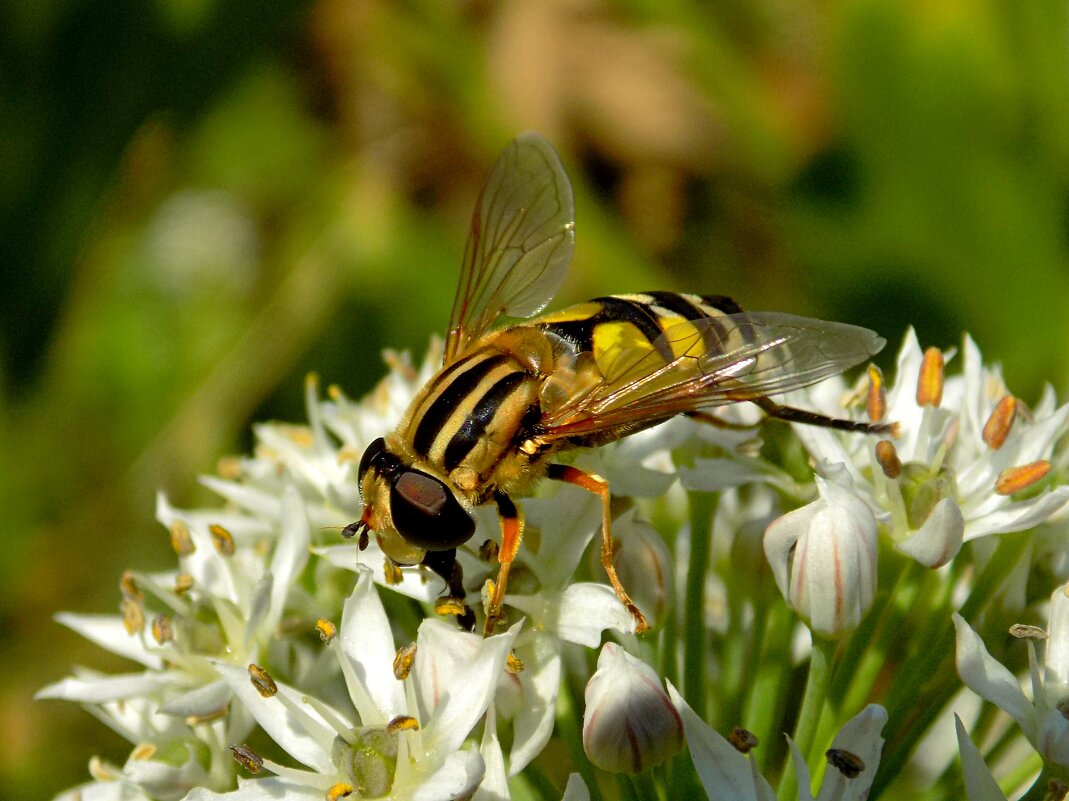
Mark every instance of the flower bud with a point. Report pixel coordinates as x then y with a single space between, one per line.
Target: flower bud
643 564
630 722
824 559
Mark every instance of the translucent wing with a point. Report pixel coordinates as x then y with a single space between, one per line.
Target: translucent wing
522 236
717 360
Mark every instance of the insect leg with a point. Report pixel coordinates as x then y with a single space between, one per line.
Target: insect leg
445 564
793 415
600 487
511 536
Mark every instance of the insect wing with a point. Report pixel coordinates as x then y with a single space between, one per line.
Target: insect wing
521 240
716 360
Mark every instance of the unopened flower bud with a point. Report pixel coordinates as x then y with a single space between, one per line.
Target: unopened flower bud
630 722
644 565
824 559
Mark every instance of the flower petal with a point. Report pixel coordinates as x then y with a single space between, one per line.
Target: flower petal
367 641
459 776
98 689
861 736
108 632
989 679
980 785
540 681
939 539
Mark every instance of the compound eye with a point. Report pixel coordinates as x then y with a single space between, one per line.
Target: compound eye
374 450
427 514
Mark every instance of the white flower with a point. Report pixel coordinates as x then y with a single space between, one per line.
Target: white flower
964 454
629 723
726 773
824 559
405 739
980 785
1043 719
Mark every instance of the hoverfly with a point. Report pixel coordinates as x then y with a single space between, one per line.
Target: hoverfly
508 400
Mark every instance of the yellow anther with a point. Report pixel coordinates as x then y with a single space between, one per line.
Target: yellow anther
299 435
128 587
402 723
133 617
143 752
347 453
262 681
229 467
998 425
392 571
403 661
876 398
181 541
334 393
513 664
449 606
1015 479
887 458
326 629
206 717
339 790
930 381
183 583
162 630
222 539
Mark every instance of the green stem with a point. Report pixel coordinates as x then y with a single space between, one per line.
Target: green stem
568 723
816 695
765 707
695 657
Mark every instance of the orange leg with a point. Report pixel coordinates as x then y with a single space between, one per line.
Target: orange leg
600 487
511 536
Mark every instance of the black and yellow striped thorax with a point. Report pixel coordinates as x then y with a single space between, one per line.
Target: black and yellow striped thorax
638 322
469 414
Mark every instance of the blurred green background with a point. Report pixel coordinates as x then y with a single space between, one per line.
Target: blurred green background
202 201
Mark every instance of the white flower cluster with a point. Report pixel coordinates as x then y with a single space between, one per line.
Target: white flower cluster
280 661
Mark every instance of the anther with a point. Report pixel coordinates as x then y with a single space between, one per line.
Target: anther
143 752
326 629
403 661
339 790
222 539
128 587
998 425
850 765
392 572
876 398
930 381
744 741
181 541
449 605
1024 632
887 458
513 664
162 629
183 583
488 551
133 617
262 681
1015 479
229 467
247 758
402 723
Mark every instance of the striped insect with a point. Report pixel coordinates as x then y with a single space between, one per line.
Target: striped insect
508 401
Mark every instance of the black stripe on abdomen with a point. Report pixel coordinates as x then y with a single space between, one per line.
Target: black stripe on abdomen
478 420
435 416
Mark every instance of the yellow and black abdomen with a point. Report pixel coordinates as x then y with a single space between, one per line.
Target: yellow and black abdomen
469 414
639 322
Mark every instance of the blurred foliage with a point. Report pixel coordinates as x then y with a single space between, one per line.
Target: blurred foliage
202 201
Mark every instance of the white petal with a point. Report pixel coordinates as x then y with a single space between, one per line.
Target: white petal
255 501
567 522
937 541
725 774
100 689
468 694
291 550
367 641
989 679
458 777
861 737
200 702
311 748
980 785
1052 738
540 680
801 772
258 790
495 783
107 791
716 475
1018 516
423 585
576 789
442 651
1056 659
782 536
108 632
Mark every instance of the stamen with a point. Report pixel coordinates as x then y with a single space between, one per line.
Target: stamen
162 629
347 454
876 399
222 539
998 425
744 741
1025 632
488 551
339 790
403 661
181 540
262 681
247 758
133 617
326 629
1015 479
334 392
930 381
229 467
402 723
128 587
887 458
513 664
848 764
392 571
183 583
449 605
143 752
